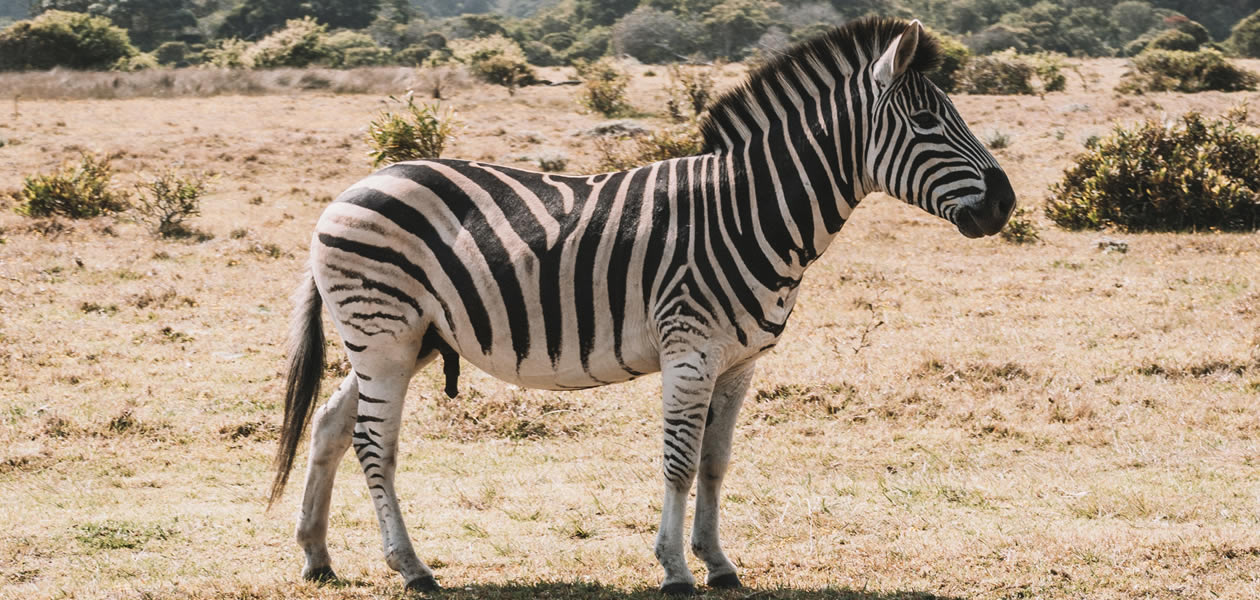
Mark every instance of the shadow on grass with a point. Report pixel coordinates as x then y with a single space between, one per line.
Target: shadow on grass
553 590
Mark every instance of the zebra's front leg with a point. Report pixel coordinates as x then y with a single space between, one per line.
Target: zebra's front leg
688 387
376 445
715 456
330 437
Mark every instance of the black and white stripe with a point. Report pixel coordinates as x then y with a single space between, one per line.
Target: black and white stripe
688 266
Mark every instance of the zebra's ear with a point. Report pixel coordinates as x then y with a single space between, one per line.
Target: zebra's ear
900 53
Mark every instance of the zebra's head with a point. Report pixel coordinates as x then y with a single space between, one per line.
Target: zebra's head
920 150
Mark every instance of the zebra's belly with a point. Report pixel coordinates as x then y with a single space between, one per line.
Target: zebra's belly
568 370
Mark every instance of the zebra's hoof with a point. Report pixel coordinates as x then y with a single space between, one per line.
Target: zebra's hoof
320 575
681 588
423 584
725 581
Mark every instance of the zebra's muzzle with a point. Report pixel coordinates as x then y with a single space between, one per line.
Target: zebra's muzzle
988 217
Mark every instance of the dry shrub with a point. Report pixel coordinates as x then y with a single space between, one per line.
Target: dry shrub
416 132
1182 71
1007 73
494 59
796 401
991 376
690 90
1206 368
77 192
513 415
166 201
1198 174
254 430
604 85
625 153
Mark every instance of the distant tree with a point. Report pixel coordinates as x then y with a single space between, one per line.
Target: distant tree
1131 19
654 36
734 24
255 18
602 12
1245 38
148 22
453 8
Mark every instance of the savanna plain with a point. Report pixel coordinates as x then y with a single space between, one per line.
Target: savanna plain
944 418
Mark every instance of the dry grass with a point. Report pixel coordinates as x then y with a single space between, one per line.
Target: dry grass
944 419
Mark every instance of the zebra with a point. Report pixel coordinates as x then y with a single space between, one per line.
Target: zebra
689 267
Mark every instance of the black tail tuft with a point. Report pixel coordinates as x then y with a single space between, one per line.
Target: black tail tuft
306 368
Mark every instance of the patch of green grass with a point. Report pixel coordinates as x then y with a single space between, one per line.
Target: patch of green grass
113 535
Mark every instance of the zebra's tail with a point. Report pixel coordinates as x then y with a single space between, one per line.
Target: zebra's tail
306 366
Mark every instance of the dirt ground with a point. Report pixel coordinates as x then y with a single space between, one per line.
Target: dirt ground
945 418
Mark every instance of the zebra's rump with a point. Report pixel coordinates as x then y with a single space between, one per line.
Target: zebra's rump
502 263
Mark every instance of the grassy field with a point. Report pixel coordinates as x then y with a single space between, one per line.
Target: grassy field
944 418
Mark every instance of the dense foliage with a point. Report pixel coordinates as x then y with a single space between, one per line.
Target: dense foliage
77 192
1198 174
560 32
415 132
1157 70
65 39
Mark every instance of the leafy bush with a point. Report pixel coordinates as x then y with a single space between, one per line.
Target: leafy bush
654 36
76 192
1006 73
690 89
954 57
1173 39
173 54
622 153
1194 175
231 53
1000 73
301 43
167 200
417 132
1244 39
604 87
356 49
63 39
138 62
590 45
1179 71
1020 229
494 59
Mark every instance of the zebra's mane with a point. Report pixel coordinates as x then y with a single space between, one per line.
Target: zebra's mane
854 44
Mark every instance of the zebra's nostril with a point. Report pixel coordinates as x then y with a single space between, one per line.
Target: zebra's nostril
998 192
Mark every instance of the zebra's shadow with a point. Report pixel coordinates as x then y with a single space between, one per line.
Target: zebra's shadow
562 590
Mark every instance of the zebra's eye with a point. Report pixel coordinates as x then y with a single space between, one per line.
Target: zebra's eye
924 120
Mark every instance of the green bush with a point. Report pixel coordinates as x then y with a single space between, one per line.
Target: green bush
1180 71
302 42
63 39
173 54
1244 39
414 133
1021 229
231 53
1173 39
954 57
356 49
1001 73
139 62
76 192
604 85
494 59
166 201
1198 174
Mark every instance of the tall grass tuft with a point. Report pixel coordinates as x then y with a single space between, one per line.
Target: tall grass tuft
416 132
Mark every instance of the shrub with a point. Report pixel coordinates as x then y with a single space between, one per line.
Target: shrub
1021 229
690 89
76 192
173 54
954 57
138 62
1001 73
355 49
417 132
231 53
63 39
1244 39
166 201
494 59
590 45
622 153
1049 69
1179 71
1197 174
301 43
1173 39
604 87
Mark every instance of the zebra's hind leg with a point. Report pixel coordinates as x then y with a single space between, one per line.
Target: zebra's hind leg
715 456
376 445
330 437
